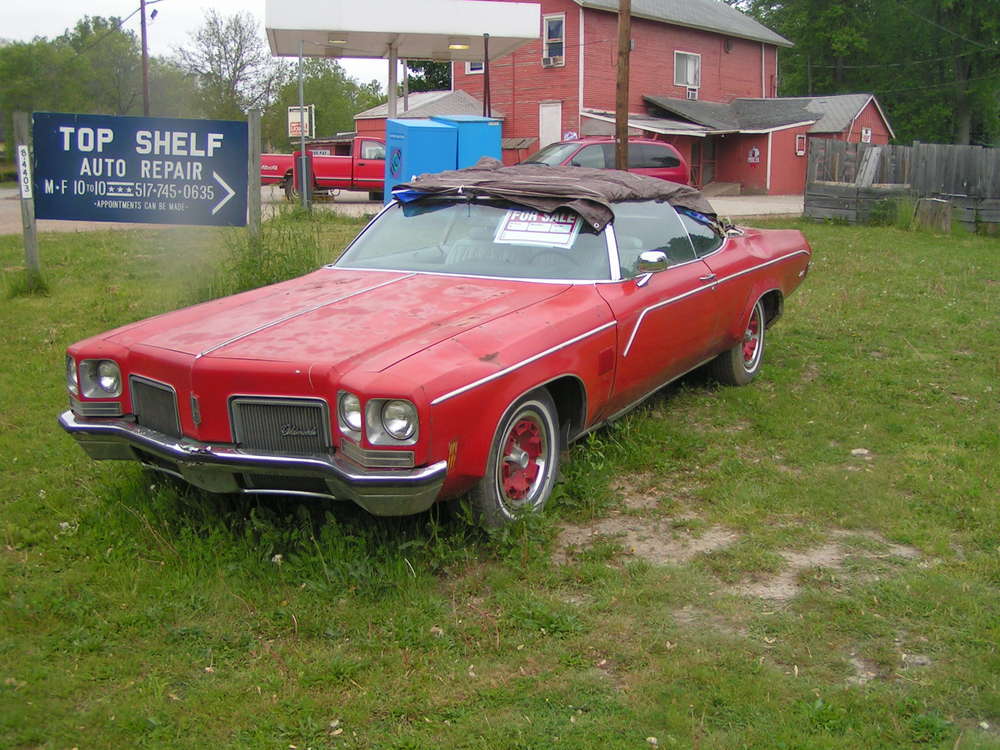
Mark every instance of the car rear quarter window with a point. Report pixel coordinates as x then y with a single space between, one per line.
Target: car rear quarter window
704 238
649 225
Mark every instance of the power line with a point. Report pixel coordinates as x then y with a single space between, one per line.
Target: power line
897 65
936 25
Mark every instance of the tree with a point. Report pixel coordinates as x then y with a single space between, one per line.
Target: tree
232 64
934 64
428 75
108 67
337 97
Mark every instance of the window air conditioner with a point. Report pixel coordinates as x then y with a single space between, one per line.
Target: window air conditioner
551 62
692 94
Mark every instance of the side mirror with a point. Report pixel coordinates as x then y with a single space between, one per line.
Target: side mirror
651 261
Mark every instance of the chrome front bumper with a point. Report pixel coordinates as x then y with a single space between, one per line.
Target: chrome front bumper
219 468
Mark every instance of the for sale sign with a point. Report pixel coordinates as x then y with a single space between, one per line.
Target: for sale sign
299 117
140 169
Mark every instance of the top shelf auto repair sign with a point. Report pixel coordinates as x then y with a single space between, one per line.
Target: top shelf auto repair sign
140 169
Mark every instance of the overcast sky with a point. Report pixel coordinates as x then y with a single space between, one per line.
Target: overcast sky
175 20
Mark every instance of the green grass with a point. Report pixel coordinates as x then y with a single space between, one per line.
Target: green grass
132 615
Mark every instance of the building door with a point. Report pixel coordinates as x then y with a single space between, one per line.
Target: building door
549 123
702 162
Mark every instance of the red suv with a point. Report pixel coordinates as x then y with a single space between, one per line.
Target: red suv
645 156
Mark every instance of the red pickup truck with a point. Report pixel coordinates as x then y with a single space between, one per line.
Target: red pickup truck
356 163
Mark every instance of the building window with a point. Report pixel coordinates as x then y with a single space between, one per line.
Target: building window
866 135
800 144
687 69
554 40
472 68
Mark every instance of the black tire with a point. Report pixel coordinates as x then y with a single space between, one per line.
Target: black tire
515 482
375 195
742 363
291 193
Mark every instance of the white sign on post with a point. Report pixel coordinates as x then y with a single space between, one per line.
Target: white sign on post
295 121
24 171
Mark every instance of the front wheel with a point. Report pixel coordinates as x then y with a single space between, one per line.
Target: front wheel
523 462
740 365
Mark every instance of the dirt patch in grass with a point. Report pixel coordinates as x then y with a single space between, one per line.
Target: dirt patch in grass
652 540
830 555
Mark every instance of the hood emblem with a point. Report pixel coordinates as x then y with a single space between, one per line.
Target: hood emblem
291 430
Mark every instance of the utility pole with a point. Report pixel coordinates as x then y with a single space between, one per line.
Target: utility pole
621 102
145 59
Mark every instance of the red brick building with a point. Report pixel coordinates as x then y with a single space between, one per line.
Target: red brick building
703 76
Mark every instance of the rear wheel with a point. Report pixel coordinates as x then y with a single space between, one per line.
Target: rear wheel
740 365
523 462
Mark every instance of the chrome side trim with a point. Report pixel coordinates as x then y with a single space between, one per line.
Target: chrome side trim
297 313
657 306
522 363
622 412
745 271
702 288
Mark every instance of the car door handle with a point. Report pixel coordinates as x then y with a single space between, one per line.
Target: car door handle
707 277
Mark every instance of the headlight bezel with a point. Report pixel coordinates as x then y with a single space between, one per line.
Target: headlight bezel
99 378
378 432
402 425
348 425
72 376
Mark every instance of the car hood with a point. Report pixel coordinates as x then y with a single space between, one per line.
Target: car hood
345 318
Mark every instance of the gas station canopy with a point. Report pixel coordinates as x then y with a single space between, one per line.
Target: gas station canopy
390 29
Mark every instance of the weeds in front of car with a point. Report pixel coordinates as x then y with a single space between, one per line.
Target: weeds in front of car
293 243
810 561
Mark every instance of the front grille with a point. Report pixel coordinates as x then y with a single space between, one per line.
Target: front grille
281 425
155 406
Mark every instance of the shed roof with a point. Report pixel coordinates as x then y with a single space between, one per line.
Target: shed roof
827 114
431 104
707 15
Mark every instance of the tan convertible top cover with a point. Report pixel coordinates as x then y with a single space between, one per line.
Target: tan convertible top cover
591 193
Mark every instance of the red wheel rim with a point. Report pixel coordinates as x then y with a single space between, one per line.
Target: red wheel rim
521 453
751 340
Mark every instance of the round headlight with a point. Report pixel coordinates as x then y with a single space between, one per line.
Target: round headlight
72 379
399 418
109 377
350 411
100 378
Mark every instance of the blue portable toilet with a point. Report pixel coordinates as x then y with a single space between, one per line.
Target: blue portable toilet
477 137
413 147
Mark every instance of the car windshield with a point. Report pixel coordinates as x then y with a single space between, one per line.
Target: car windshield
553 155
481 238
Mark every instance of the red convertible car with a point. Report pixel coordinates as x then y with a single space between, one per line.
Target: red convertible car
481 322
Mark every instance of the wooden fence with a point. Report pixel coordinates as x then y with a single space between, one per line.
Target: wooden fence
849 180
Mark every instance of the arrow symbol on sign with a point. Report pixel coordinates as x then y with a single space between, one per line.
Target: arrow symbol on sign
229 193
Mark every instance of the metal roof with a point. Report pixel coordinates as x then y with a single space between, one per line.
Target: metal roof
827 114
431 104
707 15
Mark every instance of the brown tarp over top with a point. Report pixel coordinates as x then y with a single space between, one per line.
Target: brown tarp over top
591 193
